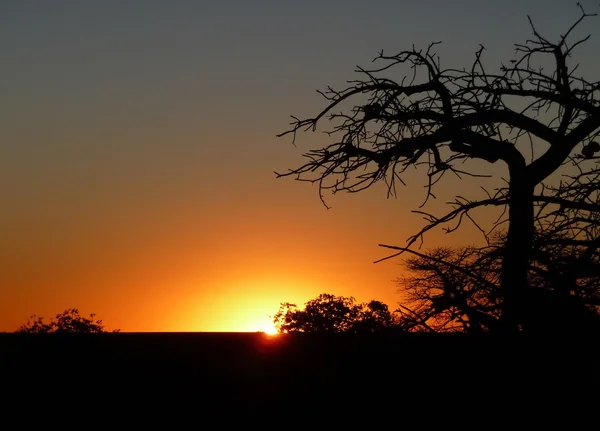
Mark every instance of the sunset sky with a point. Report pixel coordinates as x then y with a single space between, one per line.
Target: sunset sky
137 150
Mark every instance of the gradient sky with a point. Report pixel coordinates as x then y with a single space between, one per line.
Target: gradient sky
137 150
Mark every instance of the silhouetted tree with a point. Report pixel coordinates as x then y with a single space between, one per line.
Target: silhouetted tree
564 272
459 289
69 321
449 290
329 313
439 118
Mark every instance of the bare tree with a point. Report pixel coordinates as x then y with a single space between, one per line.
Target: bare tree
458 289
439 118
451 290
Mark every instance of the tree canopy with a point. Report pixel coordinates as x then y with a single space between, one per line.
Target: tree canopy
330 313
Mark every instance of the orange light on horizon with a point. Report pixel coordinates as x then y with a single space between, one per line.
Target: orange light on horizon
271 331
243 303
264 325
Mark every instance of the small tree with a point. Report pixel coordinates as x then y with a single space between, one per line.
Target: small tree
69 321
329 313
534 115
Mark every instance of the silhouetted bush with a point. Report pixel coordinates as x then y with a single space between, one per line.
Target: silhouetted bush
329 313
69 321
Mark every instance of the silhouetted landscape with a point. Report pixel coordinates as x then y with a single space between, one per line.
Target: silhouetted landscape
502 321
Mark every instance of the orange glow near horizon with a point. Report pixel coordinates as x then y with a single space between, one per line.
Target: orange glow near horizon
222 278
178 260
137 165
269 330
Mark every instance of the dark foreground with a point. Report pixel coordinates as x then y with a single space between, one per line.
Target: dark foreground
229 374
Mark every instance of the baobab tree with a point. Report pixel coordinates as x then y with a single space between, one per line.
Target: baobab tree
437 118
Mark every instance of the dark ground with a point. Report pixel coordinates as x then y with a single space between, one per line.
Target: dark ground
233 374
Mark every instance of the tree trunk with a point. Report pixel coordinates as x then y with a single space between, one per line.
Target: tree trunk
518 250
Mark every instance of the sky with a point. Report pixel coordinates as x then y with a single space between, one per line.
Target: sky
138 145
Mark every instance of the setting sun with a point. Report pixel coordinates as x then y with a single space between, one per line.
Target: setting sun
269 331
263 325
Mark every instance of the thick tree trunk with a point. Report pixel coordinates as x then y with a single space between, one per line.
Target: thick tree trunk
517 254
